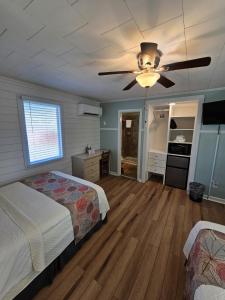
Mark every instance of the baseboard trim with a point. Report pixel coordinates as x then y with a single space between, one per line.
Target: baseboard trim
113 173
140 180
214 199
116 174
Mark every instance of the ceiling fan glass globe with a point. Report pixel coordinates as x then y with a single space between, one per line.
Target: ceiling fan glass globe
147 79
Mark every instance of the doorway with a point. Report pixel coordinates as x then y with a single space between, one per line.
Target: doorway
129 137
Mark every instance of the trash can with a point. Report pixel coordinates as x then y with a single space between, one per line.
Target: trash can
196 191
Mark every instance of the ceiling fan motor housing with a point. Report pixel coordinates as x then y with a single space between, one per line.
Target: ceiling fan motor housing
149 57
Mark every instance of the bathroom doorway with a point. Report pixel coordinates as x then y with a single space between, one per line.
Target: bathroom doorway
129 137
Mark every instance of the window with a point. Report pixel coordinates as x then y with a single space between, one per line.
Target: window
42 132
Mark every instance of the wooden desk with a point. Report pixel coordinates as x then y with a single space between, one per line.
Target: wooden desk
104 163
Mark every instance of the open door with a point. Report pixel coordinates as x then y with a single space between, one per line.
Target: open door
129 146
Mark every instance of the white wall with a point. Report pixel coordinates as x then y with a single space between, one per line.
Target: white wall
158 133
78 130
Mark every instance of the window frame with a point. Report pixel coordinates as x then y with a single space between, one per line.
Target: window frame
23 130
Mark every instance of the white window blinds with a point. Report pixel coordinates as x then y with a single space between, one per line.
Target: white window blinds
42 132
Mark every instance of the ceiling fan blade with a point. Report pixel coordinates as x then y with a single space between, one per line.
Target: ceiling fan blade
167 83
114 72
130 85
187 64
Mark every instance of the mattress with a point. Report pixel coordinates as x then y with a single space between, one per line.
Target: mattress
103 202
204 292
15 260
209 292
54 223
195 230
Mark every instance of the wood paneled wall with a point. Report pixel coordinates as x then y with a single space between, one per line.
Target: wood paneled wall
78 130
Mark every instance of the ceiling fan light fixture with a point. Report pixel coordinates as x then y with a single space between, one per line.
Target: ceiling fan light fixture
147 79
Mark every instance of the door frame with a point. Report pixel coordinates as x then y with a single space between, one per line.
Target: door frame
119 141
194 151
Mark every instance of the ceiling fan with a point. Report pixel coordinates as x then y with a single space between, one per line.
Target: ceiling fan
149 70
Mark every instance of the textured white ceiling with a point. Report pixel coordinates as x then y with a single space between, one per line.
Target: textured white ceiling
65 43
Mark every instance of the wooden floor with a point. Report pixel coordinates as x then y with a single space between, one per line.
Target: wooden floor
138 253
129 170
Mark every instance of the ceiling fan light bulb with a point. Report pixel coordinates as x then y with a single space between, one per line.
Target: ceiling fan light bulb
147 79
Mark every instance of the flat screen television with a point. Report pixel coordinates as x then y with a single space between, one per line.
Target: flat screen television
213 113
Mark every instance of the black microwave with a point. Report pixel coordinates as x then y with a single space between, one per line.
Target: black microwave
179 148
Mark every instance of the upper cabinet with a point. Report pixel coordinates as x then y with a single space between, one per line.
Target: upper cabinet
186 109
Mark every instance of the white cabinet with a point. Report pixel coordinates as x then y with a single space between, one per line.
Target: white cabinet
172 132
157 162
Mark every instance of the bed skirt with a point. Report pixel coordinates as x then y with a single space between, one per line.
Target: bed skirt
47 276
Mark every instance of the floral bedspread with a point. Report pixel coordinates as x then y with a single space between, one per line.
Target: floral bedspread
206 262
81 200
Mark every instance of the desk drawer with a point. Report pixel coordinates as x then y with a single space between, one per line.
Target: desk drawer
91 162
157 170
157 156
92 178
157 163
92 171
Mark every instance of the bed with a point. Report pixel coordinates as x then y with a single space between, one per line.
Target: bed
205 265
37 228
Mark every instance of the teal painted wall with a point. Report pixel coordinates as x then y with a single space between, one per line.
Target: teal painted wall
110 111
108 139
219 174
206 151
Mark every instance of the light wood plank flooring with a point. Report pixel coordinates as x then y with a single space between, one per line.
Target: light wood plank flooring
138 253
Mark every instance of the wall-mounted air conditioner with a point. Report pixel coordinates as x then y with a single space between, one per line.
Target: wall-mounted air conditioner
85 109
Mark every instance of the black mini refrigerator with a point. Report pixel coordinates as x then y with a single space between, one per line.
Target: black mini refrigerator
177 168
